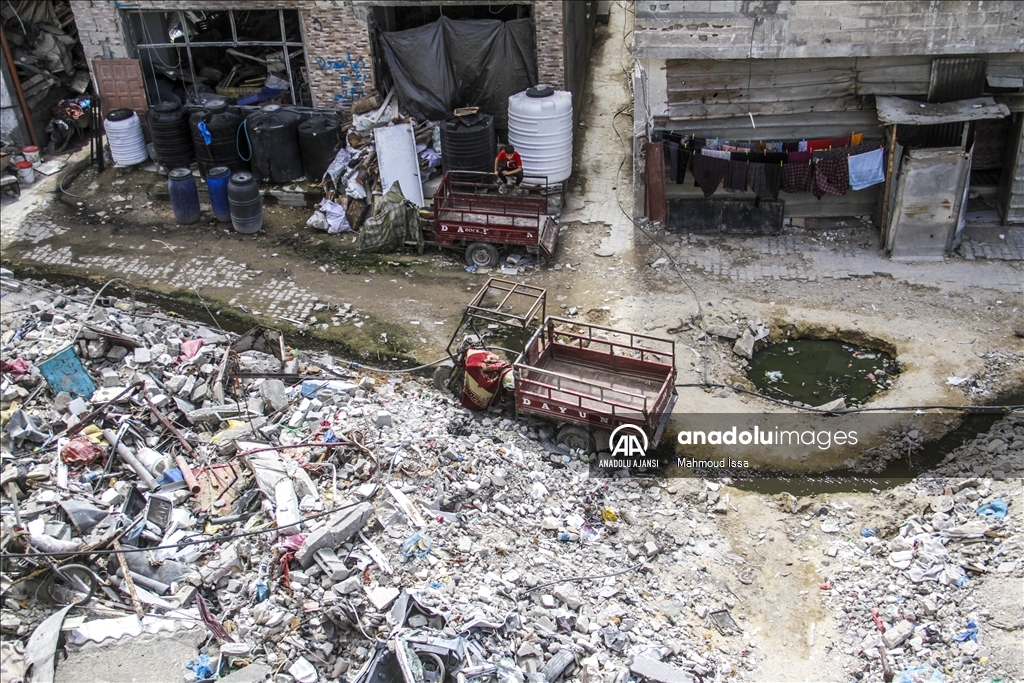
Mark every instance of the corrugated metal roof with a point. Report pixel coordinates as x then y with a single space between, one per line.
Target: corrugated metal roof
957 78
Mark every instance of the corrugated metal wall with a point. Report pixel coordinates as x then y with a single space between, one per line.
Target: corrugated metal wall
794 99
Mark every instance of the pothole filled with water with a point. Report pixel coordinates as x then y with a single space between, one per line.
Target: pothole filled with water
816 371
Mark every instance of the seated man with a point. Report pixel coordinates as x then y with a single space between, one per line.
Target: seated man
508 166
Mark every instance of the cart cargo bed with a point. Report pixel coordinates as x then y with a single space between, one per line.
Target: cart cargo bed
597 377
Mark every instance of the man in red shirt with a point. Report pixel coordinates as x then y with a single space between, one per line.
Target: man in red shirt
508 166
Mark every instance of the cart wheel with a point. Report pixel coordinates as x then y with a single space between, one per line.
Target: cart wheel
577 439
481 255
442 375
71 584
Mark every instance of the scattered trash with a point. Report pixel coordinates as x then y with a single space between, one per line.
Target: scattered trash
996 509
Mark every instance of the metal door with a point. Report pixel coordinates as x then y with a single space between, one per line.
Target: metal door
927 206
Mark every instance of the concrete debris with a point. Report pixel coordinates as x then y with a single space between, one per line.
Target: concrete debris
343 525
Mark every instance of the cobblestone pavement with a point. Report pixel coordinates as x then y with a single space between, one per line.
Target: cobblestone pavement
803 258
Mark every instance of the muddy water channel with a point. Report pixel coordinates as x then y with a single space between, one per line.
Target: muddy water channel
815 371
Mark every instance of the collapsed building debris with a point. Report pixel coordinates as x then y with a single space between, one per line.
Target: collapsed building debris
323 523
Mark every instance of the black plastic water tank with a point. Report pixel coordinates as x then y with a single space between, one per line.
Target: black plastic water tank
220 144
168 128
468 143
274 136
246 203
319 142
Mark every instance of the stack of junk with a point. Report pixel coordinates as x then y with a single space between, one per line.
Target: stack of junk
272 514
286 146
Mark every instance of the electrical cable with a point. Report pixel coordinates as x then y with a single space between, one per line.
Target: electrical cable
586 578
849 411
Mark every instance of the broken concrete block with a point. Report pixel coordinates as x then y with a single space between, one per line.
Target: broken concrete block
110 378
254 673
382 596
117 353
174 384
895 636
143 355
187 387
744 346
383 419
274 394
348 586
61 402
653 670
96 348
338 529
726 331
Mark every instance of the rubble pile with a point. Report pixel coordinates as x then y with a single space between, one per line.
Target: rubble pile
903 581
319 522
307 520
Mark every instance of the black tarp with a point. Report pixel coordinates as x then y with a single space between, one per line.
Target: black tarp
453 63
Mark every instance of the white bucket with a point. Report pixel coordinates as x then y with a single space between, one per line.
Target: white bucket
124 135
31 153
26 173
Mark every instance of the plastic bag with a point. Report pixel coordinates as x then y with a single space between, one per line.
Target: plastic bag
329 216
81 452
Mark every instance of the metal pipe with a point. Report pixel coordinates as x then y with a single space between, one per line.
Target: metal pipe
146 582
186 471
133 462
186 474
17 88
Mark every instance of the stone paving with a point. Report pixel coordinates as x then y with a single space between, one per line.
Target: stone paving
802 258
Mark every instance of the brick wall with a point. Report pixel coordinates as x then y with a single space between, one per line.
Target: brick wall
548 18
731 29
338 53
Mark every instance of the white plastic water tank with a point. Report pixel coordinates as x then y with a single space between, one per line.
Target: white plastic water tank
124 135
540 128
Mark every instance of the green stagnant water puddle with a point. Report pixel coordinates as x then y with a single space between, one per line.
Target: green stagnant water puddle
815 371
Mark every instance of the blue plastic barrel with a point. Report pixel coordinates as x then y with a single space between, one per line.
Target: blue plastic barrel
246 203
217 183
184 195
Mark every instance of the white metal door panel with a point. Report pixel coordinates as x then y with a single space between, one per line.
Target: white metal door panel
396 156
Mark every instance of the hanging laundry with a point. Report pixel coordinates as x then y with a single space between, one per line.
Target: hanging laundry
736 178
709 172
866 169
802 146
853 150
856 138
682 161
831 176
765 180
798 157
839 142
823 143
672 159
797 178
716 153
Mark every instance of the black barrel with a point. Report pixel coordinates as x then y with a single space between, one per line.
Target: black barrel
246 206
319 142
222 144
468 143
274 136
168 128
